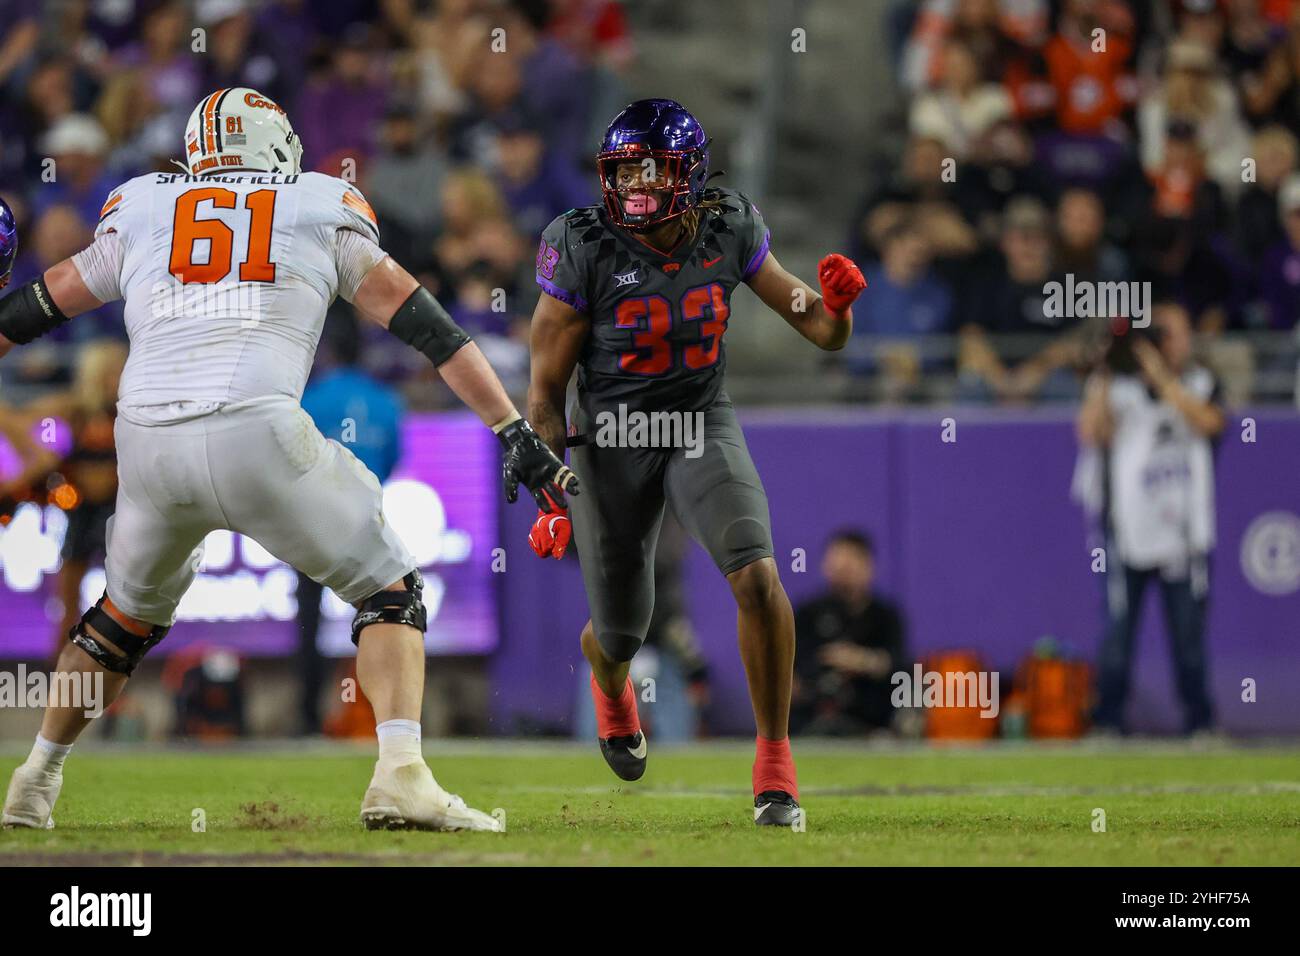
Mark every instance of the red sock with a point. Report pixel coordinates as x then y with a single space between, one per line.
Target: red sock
615 716
774 766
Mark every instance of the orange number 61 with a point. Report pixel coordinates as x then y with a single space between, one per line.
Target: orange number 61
186 230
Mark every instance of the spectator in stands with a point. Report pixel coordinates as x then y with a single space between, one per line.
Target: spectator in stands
1177 241
135 123
594 30
496 99
78 146
49 94
909 301
1258 225
286 30
365 416
235 56
448 44
1082 248
1277 96
1091 72
340 110
555 84
1192 93
1013 302
1003 166
474 224
537 183
1156 412
916 187
404 185
983 27
21 35
87 410
963 107
1279 274
1201 22
1255 53
849 641
989 26
487 304
59 232
163 54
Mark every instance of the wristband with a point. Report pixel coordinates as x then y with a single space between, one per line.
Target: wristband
29 312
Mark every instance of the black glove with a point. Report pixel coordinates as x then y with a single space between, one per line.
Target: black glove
531 461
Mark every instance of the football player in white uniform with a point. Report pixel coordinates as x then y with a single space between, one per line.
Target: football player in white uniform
227 269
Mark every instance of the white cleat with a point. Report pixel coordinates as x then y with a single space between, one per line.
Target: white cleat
30 799
406 797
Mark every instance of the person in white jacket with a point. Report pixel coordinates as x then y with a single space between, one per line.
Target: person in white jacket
1154 414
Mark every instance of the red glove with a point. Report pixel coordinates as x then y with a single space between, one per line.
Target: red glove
841 282
551 531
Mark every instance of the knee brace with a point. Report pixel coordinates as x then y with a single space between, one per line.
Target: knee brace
393 607
133 646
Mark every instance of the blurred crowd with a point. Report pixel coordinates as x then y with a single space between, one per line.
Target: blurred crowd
1042 140
1099 140
468 124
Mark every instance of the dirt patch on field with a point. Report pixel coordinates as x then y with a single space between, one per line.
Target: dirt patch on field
269 815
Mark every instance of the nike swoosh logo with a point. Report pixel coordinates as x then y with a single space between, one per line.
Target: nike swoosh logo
709 263
639 751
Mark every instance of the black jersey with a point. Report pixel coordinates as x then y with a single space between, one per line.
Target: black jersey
657 319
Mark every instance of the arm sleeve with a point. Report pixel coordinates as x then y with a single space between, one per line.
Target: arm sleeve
560 267
354 256
100 266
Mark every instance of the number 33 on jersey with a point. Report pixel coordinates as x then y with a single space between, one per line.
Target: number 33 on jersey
657 319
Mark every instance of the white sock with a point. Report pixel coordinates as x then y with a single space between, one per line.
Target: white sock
399 738
47 755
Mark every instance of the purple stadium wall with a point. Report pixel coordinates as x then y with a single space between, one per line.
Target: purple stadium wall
979 542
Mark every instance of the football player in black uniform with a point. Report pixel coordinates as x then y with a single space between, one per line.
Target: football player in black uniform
637 296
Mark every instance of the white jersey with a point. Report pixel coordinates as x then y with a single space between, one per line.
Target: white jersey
1161 475
226 280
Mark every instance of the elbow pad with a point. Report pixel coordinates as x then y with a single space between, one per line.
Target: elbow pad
29 312
424 324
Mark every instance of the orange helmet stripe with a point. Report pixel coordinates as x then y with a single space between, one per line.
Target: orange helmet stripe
209 122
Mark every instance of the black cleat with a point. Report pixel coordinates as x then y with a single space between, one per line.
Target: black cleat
775 808
625 755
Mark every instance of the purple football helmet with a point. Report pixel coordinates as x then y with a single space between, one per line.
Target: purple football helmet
8 242
671 148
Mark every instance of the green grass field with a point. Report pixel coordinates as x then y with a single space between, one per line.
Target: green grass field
1164 805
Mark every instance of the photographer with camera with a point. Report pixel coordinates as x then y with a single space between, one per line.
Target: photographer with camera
1153 412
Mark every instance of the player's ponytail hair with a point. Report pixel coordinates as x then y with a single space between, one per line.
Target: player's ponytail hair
709 202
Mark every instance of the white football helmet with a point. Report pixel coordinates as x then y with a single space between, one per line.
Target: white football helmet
239 129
